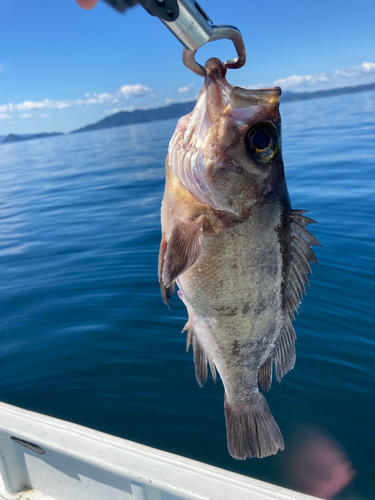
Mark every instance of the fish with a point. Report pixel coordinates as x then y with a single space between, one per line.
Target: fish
236 250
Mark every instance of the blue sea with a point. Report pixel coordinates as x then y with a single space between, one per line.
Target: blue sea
86 337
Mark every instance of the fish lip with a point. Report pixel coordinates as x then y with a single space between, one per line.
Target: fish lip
243 98
215 69
216 88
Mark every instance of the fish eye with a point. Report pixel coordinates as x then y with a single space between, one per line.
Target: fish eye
263 142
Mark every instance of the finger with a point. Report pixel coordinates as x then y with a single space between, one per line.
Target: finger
87 4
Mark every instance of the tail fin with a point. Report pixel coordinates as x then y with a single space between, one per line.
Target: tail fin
251 429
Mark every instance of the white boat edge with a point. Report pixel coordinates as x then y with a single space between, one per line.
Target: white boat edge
79 463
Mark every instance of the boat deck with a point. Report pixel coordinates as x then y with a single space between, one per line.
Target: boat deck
43 458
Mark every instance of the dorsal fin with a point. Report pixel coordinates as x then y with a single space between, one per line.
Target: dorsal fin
282 358
265 375
302 255
284 355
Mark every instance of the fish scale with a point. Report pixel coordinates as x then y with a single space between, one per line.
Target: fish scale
236 250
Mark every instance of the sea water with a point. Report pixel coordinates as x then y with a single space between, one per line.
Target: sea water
86 337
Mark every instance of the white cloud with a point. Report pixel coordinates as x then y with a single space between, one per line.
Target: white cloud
185 89
4 116
46 104
117 110
97 99
45 115
366 66
26 115
170 100
355 75
126 91
133 90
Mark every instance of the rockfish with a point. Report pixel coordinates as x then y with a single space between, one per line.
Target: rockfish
237 251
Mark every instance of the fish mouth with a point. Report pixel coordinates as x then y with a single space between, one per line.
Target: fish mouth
222 94
216 89
214 69
243 98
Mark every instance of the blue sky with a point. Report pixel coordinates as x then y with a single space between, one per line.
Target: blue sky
62 67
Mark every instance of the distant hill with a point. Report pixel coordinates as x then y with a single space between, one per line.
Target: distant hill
294 96
141 116
179 109
17 138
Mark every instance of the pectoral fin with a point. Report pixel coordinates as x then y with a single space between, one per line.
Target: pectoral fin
179 253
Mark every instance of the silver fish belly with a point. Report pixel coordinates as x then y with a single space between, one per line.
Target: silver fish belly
237 251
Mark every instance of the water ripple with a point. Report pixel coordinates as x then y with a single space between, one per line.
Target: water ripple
85 335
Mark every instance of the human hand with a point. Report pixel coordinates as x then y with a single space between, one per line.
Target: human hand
87 4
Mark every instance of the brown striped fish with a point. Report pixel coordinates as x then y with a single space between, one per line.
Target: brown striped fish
237 251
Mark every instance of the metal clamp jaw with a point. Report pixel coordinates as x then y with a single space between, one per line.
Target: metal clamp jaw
191 26
219 32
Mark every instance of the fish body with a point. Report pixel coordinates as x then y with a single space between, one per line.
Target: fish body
237 251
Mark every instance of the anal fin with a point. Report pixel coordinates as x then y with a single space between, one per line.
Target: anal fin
213 370
189 336
200 361
200 358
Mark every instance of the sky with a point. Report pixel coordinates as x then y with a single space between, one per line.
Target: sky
62 67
